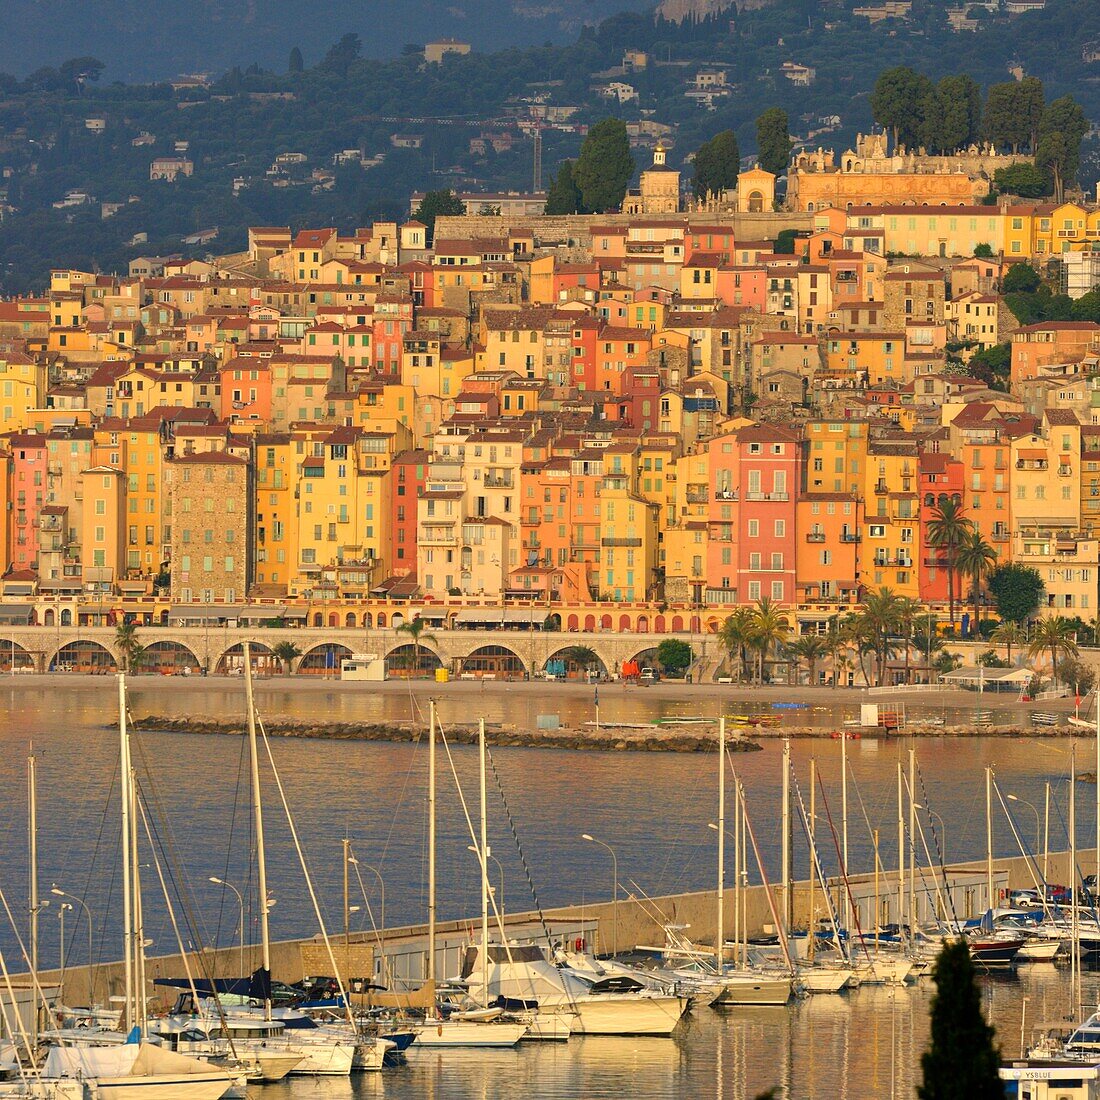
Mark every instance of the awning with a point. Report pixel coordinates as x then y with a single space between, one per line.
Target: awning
18 613
498 615
18 588
987 676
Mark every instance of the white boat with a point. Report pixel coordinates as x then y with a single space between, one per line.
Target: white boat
260 1048
745 987
138 1071
1067 1080
468 1033
1039 950
824 979
522 972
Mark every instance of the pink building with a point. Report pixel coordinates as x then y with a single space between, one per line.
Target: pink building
29 472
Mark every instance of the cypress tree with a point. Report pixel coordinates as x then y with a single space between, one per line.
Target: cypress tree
564 196
961 1059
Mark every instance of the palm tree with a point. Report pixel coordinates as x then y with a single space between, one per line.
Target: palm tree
1008 634
976 559
908 610
585 657
809 648
417 630
127 644
881 616
735 634
769 630
286 653
835 640
1056 635
946 530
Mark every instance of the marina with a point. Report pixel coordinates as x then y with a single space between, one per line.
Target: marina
663 858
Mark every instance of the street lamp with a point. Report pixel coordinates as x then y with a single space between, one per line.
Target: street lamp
614 890
355 862
240 902
61 932
1038 827
56 890
500 872
943 827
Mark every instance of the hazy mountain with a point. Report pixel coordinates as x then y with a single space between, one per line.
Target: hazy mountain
139 40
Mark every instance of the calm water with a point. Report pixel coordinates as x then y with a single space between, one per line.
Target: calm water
653 809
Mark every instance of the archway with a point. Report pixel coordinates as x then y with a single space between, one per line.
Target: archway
12 653
349 620
624 622
659 624
381 620
396 620
318 619
66 616
575 662
573 622
605 622
264 662
756 202
324 660
83 657
167 659
590 623
677 624
401 662
368 620
642 626
47 619
493 662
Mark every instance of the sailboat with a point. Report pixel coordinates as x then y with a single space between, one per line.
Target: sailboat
134 1069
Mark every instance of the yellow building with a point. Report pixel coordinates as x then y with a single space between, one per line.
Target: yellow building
868 357
835 456
891 527
275 489
22 389
629 542
102 541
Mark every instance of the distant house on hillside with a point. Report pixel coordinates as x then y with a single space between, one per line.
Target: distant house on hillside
434 52
168 168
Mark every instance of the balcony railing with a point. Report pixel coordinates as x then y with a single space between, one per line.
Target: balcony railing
698 496
815 536
851 536
620 542
767 496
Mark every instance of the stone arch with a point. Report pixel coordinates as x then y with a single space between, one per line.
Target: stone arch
13 653
401 662
645 658
756 202
563 664
574 622
494 662
264 662
677 624
167 658
83 656
323 660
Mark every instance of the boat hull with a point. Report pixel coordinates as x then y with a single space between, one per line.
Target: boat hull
621 1014
468 1033
754 991
168 1086
824 979
323 1060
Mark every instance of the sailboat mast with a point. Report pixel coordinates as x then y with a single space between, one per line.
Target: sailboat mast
720 917
125 781
139 919
1075 936
261 854
738 864
484 864
912 842
431 841
844 821
811 831
1096 886
32 857
786 848
989 836
901 853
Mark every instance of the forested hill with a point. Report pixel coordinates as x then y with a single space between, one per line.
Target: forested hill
138 40
329 139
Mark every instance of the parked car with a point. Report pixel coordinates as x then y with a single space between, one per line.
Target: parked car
649 676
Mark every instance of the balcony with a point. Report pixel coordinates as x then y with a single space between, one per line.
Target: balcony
851 537
999 536
1031 464
725 494
698 496
1065 471
815 536
620 542
498 481
768 496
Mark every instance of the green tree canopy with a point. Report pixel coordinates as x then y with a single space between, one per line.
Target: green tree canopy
1061 130
1016 590
961 112
564 196
1029 181
295 64
1013 111
674 655
1087 307
436 204
773 140
962 1059
716 165
604 167
1021 278
899 103
992 365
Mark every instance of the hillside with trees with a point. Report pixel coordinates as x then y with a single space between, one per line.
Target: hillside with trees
332 137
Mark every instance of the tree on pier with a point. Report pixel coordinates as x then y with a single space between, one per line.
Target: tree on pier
962 1058
286 653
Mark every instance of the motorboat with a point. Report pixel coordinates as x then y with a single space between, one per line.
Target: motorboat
613 1005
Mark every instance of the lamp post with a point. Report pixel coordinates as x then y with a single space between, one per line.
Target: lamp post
57 891
943 827
614 890
1038 826
61 934
355 862
240 903
500 872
